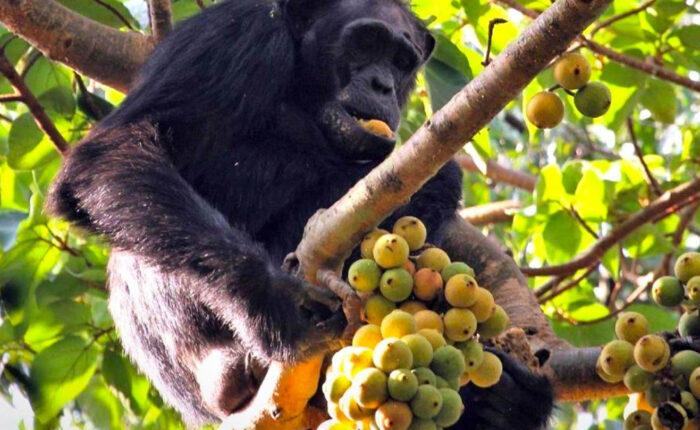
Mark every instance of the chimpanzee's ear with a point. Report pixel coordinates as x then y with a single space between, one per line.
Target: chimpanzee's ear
429 46
300 13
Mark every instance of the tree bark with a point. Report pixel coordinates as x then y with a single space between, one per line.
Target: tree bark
100 52
490 213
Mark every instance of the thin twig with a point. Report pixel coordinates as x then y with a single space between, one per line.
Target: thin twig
161 15
499 173
10 98
551 284
116 13
608 22
683 223
628 302
638 150
89 98
34 56
493 23
569 285
632 62
37 111
583 222
663 206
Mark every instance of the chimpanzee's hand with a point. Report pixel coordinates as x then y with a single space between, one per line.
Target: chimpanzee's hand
520 400
330 308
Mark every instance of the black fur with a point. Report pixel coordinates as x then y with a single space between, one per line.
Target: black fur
238 129
520 400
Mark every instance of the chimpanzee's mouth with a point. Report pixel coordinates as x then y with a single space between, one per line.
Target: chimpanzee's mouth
372 123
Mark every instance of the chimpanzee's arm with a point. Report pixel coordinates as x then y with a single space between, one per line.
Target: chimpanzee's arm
121 183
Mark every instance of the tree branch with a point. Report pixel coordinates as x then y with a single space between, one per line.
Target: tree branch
161 15
25 96
572 371
95 50
555 291
610 21
669 202
499 173
649 68
490 213
683 223
640 155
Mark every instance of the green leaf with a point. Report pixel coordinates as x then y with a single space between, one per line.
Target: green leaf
63 316
183 9
689 36
586 335
29 148
664 14
646 241
60 101
572 173
63 286
550 187
562 236
102 407
59 374
622 76
100 311
45 75
448 53
443 82
123 376
611 261
660 98
20 269
590 201
107 12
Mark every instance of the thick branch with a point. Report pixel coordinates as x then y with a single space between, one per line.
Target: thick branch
632 62
490 212
572 370
95 50
161 14
664 205
498 272
27 97
330 238
498 173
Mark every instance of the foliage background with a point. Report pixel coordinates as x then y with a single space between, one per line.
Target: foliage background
61 363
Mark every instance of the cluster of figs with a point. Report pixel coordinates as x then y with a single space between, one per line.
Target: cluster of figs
572 73
664 368
425 318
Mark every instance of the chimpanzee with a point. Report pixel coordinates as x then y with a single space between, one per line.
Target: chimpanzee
241 125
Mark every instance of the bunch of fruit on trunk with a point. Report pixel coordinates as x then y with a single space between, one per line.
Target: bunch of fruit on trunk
425 316
664 367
